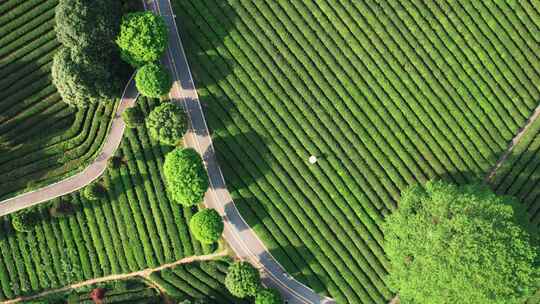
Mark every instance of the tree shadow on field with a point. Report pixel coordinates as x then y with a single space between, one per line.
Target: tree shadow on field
204 26
299 267
243 157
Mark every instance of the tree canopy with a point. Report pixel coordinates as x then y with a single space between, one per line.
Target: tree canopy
460 244
207 226
143 38
84 69
167 123
242 280
185 176
153 80
88 27
268 296
80 83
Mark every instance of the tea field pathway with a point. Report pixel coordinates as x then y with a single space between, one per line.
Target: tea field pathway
241 238
145 273
90 173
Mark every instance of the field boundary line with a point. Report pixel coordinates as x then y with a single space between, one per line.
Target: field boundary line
515 140
144 273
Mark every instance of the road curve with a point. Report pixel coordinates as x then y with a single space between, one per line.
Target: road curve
238 234
90 173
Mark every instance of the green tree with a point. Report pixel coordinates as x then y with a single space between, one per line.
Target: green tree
94 192
167 123
268 296
23 221
88 27
185 176
242 280
133 117
143 38
207 226
460 244
153 80
80 83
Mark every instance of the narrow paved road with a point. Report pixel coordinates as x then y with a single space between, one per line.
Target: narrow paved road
89 174
238 234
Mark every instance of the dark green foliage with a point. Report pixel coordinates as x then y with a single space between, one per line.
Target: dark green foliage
115 162
268 296
94 191
167 123
133 117
142 39
153 80
81 83
460 244
61 208
207 226
242 280
88 27
185 176
23 221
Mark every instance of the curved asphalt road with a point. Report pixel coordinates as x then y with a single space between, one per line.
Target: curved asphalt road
238 234
88 175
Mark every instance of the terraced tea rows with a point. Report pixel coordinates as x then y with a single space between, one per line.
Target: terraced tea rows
41 138
384 93
196 281
136 226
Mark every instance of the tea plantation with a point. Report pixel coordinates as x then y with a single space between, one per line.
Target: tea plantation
384 93
41 138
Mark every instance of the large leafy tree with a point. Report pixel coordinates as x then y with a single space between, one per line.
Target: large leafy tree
88 27
207 226
242 280
185 176
81 83
84 69
268 296
167 123
142 38
460 244
153 80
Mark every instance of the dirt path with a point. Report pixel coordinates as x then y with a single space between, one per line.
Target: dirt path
145 273
513 143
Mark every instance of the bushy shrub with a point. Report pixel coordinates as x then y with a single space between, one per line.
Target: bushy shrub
167 123
23 221
242 280
185 176
133 117
268 296
143 38
207 226
153 80
80 83
460 244
94 192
